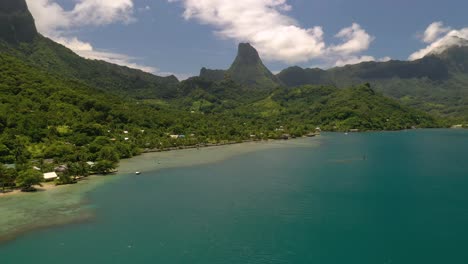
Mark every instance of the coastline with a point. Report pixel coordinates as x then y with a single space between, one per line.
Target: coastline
45 187
58 205
50 185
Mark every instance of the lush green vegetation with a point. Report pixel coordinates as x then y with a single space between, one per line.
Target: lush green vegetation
60 112
436 84
47 121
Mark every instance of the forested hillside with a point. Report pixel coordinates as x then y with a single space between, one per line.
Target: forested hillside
57 108
437 84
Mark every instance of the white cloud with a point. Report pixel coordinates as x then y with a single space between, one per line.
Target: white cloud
275 35
385 59
439 39
358 59
59 24
52 19
49 16
102 12
434 31
355 39
353 60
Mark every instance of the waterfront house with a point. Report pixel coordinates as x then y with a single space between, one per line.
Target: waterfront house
50 176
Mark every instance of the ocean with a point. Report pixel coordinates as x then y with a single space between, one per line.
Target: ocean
386 197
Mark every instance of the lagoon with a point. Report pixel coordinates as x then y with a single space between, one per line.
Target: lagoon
389 197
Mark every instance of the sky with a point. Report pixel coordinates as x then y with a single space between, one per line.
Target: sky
180 37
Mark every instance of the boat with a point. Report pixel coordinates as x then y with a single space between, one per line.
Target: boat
137 173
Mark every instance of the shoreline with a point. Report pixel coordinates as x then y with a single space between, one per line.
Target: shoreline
50 185
46 186
59 205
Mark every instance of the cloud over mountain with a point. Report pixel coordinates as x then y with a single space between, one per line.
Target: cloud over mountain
439 38
53 21
278 37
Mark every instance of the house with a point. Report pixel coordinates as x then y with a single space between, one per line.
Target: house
125 132
126 139
91 164
61 168
36 168
50 176
174 136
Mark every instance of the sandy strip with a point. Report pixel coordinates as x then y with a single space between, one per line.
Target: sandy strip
45 186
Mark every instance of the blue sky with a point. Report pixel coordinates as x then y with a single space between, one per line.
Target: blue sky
156 34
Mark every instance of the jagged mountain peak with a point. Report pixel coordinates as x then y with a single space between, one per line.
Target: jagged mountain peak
247 54
249 70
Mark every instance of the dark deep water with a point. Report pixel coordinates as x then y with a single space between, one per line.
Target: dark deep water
394 197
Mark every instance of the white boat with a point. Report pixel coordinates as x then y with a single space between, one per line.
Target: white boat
137 173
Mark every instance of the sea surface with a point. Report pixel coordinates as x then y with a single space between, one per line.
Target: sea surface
366 198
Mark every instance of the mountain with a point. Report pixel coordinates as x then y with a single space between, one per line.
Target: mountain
17 26
437 83
16 22
336 109
59 107
247 70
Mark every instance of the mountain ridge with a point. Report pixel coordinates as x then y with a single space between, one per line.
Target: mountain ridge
18 27
436 83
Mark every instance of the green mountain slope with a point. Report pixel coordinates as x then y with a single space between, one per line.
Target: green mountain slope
43 116
436 84
336 109
59 60
18 37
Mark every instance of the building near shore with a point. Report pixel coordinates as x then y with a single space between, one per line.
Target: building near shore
50 176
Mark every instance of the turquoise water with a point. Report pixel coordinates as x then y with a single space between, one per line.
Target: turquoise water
399 197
